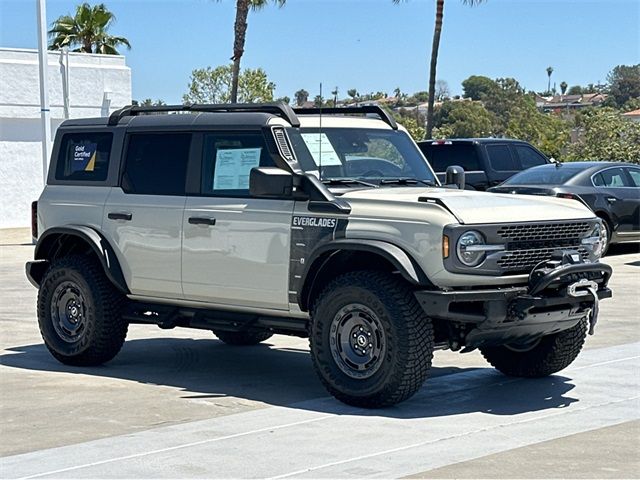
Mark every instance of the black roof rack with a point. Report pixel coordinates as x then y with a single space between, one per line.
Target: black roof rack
373 109
278 108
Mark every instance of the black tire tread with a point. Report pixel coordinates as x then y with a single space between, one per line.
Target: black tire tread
243 338
110 329
412 362
554 353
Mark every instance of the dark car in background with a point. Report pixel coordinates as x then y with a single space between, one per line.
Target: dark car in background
610 189
486 161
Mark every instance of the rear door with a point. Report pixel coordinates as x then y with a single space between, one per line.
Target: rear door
502 162
443 154
143 216
236 248
634 183
528 156
614 185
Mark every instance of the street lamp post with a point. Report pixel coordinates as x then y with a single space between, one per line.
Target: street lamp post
45 114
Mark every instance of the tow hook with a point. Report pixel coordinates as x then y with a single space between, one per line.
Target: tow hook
583 288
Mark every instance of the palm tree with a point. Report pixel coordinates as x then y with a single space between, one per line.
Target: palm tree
434 58
239 34
563 87
87 31
549 72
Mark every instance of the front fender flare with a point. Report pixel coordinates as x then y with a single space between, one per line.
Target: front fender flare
401 260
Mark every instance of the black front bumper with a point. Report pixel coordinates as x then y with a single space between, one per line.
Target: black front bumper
503 315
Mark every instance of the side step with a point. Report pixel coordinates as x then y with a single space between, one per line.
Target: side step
167 317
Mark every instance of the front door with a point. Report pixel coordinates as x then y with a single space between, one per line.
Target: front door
235 248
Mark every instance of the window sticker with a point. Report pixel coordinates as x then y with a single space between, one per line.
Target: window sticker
320 147
233 167
84 157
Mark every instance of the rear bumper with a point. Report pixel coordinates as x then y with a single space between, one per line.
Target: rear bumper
501 315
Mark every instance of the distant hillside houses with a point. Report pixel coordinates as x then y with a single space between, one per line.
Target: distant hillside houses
569 102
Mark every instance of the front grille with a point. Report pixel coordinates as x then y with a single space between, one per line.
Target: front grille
525 260
544 231
529 244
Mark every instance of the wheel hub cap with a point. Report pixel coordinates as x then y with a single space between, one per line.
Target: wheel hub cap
68 312
357 341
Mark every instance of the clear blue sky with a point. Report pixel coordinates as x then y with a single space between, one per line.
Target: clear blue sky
370 45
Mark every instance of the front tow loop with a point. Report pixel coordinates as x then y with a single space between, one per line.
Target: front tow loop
583 288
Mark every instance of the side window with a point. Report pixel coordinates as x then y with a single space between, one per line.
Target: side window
634 173
227 162
156 163
84 157
529 157
611 178
500 158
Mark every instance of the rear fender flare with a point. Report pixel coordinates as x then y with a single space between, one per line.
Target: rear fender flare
53 239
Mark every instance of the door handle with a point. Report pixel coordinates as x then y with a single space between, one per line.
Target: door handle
612 199
119 216
202 221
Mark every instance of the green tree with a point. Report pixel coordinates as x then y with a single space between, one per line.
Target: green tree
86 31
606 135
434 57
624 83
239 35
476 87
413 121
284 99
563 87
318 101
213 85
464 120
575 90
549 72
147 102
301 97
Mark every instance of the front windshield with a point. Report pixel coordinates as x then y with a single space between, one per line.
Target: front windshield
369 154
544 175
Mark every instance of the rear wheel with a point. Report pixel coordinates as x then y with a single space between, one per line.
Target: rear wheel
371 343
544 357
243 338
80 312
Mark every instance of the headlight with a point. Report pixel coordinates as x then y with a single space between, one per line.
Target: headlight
596 240
467 249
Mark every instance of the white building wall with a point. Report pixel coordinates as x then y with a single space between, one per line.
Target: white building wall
90 77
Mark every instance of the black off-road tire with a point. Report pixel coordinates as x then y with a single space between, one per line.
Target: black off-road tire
243 338
550 355
403 364
103 328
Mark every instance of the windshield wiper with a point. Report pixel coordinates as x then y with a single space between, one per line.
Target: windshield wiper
406 181
346 181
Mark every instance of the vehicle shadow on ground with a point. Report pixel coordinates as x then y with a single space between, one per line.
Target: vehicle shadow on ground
207 369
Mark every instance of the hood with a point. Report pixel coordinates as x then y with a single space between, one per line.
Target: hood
471 207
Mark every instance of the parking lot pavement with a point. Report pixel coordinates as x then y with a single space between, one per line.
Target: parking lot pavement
181 404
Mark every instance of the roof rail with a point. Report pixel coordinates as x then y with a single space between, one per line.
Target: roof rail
280 109
373 109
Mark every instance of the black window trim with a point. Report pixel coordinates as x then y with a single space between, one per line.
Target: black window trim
112 170
194 174
125 154
622 167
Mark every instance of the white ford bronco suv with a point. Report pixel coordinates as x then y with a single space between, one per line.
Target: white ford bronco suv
250 220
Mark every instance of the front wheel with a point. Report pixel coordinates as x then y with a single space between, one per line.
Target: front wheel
548 355
370 341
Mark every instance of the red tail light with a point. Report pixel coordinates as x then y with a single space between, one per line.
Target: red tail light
34 219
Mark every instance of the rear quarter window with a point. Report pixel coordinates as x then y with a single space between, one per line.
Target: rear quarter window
84 157
441 156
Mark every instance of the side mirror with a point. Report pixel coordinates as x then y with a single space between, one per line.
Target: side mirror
270 182
455 176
